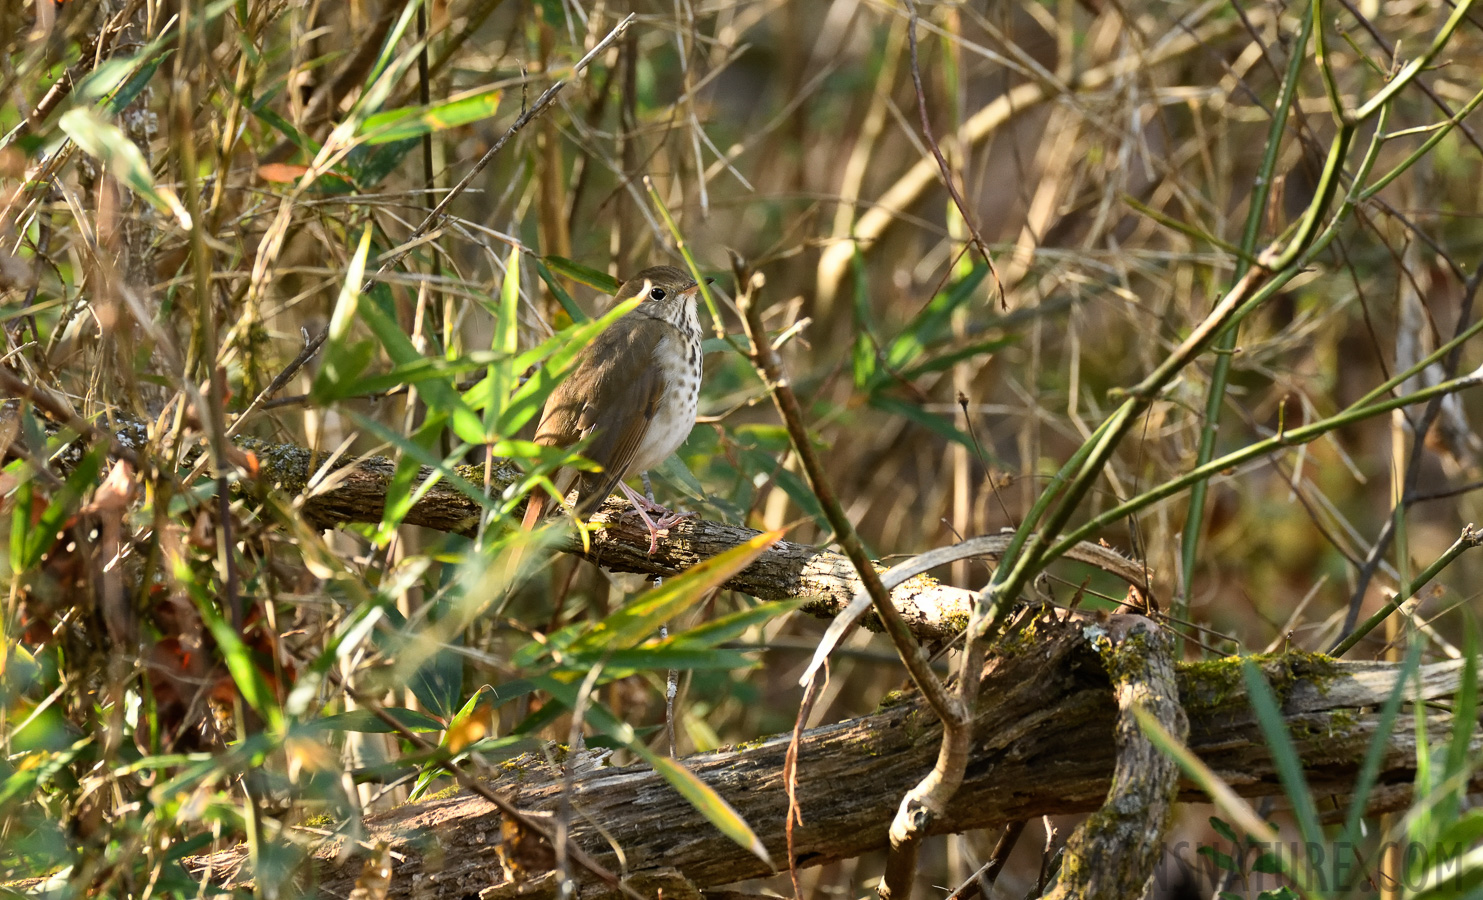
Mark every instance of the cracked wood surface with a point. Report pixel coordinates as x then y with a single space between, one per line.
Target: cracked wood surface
1043 745
354 490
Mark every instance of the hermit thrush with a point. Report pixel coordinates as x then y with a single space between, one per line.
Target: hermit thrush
633 392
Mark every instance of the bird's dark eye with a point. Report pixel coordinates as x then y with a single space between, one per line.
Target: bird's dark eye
656 294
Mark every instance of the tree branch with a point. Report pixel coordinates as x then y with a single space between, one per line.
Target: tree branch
1040 748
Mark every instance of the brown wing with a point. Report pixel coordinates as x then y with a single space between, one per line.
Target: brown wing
611 396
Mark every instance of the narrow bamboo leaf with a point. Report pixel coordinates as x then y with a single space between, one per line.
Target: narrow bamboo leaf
622 663
400 124
465 714
344 360
1223 829
442 468
506 344
674 471
344 640
930 421
643 616
863 352
708 803
795 487
108 144
927 325
401 493
1226 800
455 737
953 357
700 795
1464 723
237 656
419 371
557 642
729 343
582 274
39 536
731 626
261 108
1284 754
438 683
366 166
573 311
439 394
367 722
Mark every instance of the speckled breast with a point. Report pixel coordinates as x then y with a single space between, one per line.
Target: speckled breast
680 367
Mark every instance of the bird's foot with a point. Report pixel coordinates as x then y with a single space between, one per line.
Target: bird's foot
647 510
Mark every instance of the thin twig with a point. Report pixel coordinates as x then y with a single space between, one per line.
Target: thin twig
947 172
982 881
1413 467
1466 541
927 800
474 785
543 102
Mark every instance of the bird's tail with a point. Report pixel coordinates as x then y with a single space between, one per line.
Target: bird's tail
535 510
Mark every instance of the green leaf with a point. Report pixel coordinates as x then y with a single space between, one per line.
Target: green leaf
1269 863
1221 860
927 326
931 421
1369 770
418 371
622 663
1224 829
702 796
107 143
582 274
674 471
261 108
344 360
438 683
645 613
400 493
789 482
563 349
726 344
863 351
953 357
506 345
365 721
411 122
455 726
444 470
238 656
38 537
1284 754
368 166
557 291
439 394
708 803
1464 725
730 626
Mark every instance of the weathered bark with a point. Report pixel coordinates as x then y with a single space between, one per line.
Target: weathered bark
1113 853
1041 746
356 492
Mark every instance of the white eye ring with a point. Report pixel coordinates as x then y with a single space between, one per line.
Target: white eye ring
656 294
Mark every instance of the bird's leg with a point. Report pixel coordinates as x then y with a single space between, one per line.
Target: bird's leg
644 506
